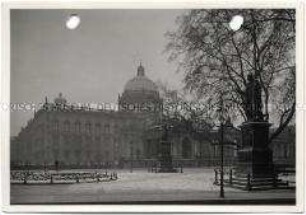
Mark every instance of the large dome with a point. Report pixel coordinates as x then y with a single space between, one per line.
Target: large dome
140 93
140 82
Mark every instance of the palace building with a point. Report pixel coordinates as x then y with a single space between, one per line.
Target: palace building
84 137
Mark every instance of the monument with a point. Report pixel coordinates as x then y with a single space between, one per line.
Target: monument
165 158
255 158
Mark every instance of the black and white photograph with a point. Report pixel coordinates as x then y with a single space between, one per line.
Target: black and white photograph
153 106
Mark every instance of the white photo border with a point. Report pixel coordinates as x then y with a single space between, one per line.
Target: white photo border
157 4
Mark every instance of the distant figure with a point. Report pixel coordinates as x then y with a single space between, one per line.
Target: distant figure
98 177
56 163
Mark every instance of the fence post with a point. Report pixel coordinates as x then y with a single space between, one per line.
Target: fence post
231 176
249 186
275 181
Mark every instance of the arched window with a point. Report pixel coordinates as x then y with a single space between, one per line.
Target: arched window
66 126
106 155
67 154
88 128
116 128
107 128
131 151
138 153
97 129
56 126
77 127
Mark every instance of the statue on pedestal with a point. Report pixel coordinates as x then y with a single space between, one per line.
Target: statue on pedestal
166 157
255 158
253 102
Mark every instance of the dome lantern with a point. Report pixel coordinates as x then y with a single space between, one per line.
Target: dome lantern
60 100
140 70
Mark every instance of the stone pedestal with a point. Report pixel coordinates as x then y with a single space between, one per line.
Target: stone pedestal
255 158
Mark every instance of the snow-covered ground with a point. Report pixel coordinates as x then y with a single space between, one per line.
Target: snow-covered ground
129 184
139 184
142 181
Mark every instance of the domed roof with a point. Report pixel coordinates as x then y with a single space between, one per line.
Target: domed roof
60 99
140 82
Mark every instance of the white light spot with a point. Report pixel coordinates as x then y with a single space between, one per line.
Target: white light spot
73 21
236 22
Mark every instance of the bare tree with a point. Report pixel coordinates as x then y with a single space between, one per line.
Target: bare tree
186 114
216 60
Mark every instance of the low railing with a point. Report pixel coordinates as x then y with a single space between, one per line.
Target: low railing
248 183
27 177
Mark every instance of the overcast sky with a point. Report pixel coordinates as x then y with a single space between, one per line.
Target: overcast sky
89 64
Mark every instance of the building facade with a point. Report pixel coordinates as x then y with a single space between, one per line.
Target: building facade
83 137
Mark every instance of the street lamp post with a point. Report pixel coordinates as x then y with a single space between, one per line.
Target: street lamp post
222 152
131 170
221 148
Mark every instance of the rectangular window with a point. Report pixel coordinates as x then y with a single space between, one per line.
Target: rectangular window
67 126
56 126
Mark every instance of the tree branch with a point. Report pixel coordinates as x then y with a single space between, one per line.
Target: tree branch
283 124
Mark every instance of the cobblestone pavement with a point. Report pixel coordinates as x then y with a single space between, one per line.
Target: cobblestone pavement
193 184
